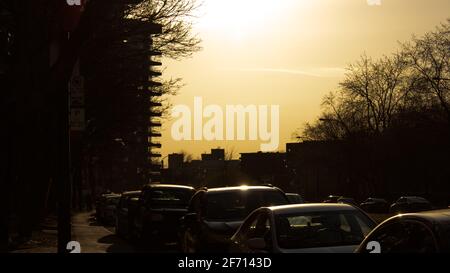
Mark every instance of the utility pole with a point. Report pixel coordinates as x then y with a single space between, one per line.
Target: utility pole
63 167
69 41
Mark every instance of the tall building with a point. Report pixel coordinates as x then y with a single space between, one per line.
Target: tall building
123 98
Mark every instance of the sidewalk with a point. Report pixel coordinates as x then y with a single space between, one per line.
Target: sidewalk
42 241
95 238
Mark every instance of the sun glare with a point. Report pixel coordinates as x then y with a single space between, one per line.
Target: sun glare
238 18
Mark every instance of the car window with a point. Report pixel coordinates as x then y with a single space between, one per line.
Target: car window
236 205
250 233
404 237
321 229
248 227
261 228
194 205
168 197
258 226
365 227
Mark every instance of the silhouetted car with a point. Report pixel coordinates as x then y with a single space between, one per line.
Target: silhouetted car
332 199
123 215
305 228
375 205
106 208
159 210
295 198
99 203
347 200
410 204
215 215
424 232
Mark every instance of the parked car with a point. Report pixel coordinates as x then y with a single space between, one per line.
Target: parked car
215 215
159 210
123 218
410 204
133 207
424 232
375 205
305 228
332 199
99 203
106 208
109 209
295 198
347 200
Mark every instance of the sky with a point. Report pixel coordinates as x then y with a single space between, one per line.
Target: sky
288 53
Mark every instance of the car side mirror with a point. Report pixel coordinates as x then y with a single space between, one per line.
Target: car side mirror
256 243
190 217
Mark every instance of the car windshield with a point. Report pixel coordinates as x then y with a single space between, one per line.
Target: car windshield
236 205
322 229
169 197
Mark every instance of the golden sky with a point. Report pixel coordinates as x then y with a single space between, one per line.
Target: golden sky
288 53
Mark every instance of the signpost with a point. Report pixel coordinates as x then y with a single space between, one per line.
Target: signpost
77 107
69 20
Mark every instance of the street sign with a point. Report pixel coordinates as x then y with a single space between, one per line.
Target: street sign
77 119
71 14
77 91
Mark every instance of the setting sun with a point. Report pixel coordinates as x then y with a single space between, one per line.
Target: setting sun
238 18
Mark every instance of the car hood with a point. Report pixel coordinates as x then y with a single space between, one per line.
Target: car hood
333 249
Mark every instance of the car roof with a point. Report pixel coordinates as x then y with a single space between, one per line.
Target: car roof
343 198
168 186
434 216
241 188
313 207
112 196
415 198
109 194
128 193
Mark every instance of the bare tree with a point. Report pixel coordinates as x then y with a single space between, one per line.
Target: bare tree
429 56
371 94
229 154
177 40
378 85
187 157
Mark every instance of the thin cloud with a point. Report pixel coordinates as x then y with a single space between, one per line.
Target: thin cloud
321 72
